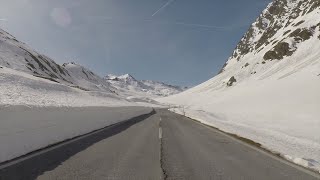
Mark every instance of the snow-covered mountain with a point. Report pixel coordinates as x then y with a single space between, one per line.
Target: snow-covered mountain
29 77
87 79
18 56
278 43
127 83
268 90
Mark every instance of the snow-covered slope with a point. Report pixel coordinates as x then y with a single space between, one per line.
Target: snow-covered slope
20 88
27 77
18 56
271 46
129 85
86 79
268 90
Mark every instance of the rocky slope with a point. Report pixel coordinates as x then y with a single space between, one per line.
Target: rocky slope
270 46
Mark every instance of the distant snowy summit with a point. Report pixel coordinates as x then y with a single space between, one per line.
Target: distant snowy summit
128 83
127 78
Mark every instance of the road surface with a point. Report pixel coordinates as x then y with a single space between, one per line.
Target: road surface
162 145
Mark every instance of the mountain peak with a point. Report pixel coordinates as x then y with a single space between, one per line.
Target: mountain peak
127 77
70 64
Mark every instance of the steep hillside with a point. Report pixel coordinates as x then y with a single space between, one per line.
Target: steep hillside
127 83
30 78
86 79
268 90
17 55
281 41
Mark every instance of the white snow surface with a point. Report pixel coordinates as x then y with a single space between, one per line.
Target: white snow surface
28 120
276 103
86 78
19 88
25 129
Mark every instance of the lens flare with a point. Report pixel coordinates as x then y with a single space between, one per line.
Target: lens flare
61 17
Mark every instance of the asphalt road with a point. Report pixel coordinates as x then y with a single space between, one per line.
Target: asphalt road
162 145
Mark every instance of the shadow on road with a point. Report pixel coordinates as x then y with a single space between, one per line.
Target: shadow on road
33 167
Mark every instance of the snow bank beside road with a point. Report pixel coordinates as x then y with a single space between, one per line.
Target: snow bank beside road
24 129
270 138
58 112
19 88
281 114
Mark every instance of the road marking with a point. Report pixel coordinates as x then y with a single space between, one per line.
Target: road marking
160 133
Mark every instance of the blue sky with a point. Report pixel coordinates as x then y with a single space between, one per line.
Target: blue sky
182 42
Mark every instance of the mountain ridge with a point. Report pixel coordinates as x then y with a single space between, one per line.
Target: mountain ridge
20 57
127 82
